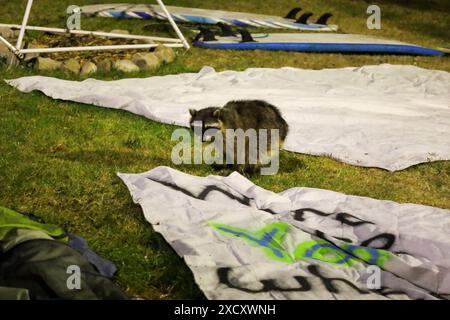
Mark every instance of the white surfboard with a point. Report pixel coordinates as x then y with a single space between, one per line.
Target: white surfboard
203 16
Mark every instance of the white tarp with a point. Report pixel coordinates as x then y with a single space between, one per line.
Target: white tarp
244 242
386 116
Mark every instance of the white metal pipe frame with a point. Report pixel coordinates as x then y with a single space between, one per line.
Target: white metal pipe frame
19 52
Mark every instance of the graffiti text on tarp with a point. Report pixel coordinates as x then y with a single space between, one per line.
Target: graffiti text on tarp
270 240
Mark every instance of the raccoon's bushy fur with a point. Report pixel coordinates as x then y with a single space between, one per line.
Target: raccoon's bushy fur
244 114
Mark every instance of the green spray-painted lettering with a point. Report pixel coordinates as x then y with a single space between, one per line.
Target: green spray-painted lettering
270 239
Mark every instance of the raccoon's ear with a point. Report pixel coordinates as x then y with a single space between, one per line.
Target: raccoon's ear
216 113
193 112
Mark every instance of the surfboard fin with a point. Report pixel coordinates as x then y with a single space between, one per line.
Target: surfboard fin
246 36
206 34
323 19
293 13
304 18
225 30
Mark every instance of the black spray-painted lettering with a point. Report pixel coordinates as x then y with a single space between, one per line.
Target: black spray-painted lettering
387 238
328 282
202 195
268 284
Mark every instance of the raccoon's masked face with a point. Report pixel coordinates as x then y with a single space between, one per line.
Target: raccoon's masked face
208 119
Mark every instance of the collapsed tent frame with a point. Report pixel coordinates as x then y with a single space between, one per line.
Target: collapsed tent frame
20 53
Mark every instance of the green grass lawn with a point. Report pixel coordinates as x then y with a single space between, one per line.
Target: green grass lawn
59 160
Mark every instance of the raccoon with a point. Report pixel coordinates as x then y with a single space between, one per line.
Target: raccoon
243 114
208 119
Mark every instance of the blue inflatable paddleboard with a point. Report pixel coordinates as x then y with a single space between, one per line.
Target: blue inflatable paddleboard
313 42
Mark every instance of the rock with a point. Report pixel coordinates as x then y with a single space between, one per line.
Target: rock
119 31
31 56
125 66
8 33
146 61
8 57
4 51
12 61
100 37
71 65
104 65
88 68
165 54
47 64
